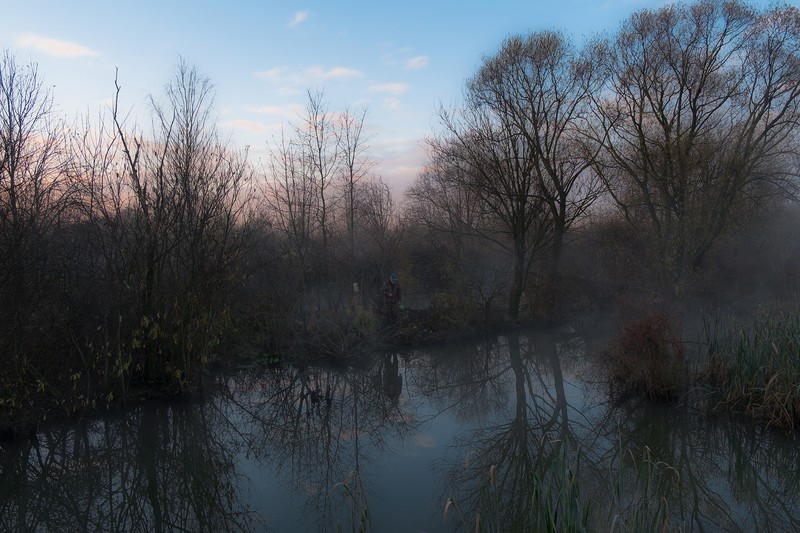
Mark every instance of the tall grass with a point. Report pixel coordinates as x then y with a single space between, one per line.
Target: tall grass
638 493
641 493
355 500
757 368
525 495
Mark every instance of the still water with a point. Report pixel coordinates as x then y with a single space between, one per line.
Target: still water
393 438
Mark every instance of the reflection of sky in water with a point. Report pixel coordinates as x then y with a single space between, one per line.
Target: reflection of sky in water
403 477
425 441
282 442
408 477
404 492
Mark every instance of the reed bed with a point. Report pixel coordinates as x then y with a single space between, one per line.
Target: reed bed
757 368
638 493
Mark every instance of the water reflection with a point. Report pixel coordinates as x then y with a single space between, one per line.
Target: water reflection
160 468
317 426
421 427
731 476
516 400
520 397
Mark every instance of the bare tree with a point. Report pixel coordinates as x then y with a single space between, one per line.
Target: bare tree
327 206
355 166
698 118
186 192
380 231
516 146
451 222
320 136
293 200
542 87
35 195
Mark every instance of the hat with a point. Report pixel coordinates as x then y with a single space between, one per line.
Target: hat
393 276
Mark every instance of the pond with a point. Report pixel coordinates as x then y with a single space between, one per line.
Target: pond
476 428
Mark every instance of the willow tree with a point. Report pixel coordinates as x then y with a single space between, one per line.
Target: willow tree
698 118
517 146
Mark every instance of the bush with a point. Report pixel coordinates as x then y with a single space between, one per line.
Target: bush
647 358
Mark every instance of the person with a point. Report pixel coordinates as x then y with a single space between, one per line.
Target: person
390 293
392 379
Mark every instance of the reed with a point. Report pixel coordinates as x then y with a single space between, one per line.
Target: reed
638 493
543 495
757 368
355 497
641 493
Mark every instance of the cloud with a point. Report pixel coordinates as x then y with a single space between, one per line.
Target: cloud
298 18
418 62
393 88
245 125
54 47
400 161
333 73
307 76
425 440
393 57
392 104
291 110
275 75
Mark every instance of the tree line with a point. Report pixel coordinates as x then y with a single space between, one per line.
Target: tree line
132 253
683 124
129 253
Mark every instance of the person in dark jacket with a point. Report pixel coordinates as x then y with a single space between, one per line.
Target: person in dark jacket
390 295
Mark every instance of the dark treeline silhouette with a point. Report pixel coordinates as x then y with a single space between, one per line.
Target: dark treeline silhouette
660 160
129 254
639 155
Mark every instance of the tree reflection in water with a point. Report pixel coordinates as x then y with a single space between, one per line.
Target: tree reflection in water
312 423
327 436
161 468
520 409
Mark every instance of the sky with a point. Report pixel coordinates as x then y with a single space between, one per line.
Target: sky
398 60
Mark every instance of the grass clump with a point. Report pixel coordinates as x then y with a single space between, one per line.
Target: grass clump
757 369
647 359
542 495
355 500
642 493
637 493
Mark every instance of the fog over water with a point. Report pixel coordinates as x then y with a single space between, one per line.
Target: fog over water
304 448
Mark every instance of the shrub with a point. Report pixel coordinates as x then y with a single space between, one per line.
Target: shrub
647 358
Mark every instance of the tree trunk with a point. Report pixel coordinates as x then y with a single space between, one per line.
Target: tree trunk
518 286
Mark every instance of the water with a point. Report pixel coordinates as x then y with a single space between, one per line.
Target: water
310 448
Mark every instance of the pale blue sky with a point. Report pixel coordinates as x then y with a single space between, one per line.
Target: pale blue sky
399 59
